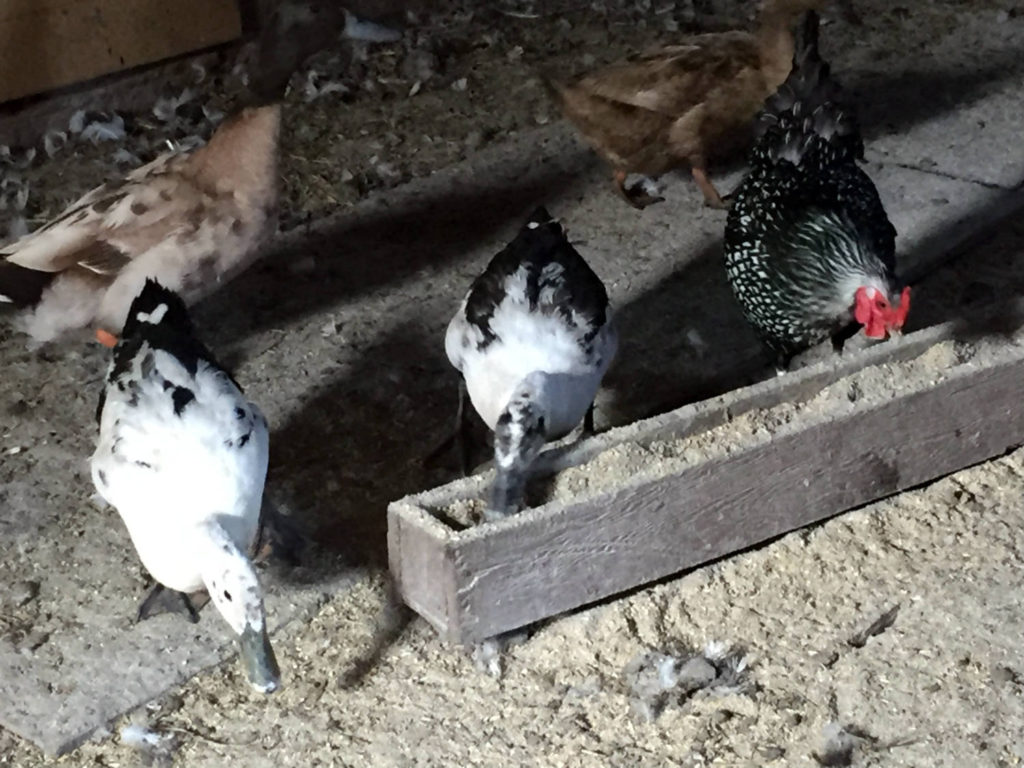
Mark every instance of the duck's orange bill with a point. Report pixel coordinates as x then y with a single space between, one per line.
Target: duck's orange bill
106 338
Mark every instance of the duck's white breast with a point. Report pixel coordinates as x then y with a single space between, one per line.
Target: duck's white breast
166 473
526 342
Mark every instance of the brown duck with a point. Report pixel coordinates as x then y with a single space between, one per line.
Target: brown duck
684 104
192 220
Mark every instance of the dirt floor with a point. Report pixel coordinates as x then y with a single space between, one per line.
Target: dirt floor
345 357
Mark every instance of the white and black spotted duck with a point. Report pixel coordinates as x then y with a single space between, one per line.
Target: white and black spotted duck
191 220
182 456
532 339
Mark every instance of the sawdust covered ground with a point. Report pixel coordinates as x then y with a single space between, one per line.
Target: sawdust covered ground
940 687
369 685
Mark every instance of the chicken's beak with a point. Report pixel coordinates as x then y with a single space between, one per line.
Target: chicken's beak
106 338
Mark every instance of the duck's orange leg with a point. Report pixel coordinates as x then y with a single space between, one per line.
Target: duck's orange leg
711 197
106 338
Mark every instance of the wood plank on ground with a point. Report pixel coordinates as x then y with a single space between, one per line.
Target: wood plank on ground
47 44
474 583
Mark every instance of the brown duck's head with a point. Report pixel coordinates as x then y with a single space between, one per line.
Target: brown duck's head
290 31
289 34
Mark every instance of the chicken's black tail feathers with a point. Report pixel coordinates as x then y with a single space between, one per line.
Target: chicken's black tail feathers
806 48
808 120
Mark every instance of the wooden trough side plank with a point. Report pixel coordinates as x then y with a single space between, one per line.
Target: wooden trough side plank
517 572
799 385
422 572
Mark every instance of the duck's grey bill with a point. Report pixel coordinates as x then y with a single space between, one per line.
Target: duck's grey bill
259 661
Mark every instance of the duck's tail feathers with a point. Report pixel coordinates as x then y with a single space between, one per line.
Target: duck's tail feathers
157 307
21 286
808 119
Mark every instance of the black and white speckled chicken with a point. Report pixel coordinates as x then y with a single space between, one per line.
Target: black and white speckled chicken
808 246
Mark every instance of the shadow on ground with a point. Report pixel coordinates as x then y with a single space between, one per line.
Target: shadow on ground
361 253
892 102
682 341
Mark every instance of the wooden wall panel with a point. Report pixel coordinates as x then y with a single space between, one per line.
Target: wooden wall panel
45 44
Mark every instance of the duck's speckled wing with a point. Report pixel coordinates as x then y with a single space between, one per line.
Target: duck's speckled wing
105 229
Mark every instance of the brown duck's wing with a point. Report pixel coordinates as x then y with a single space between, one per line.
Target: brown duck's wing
674 79
626 136
112 224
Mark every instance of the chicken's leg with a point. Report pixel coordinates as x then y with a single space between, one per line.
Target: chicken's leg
843 335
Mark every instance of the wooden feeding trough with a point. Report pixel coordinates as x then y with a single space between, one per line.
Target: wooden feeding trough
472 582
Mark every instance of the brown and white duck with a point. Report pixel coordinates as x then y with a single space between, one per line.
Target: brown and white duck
191 220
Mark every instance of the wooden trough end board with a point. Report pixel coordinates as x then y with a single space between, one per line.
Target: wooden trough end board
474 583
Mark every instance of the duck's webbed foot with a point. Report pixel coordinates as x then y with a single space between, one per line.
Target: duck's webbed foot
639 194
106 338
160 599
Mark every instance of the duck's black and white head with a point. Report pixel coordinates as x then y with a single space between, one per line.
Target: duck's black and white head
533 339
